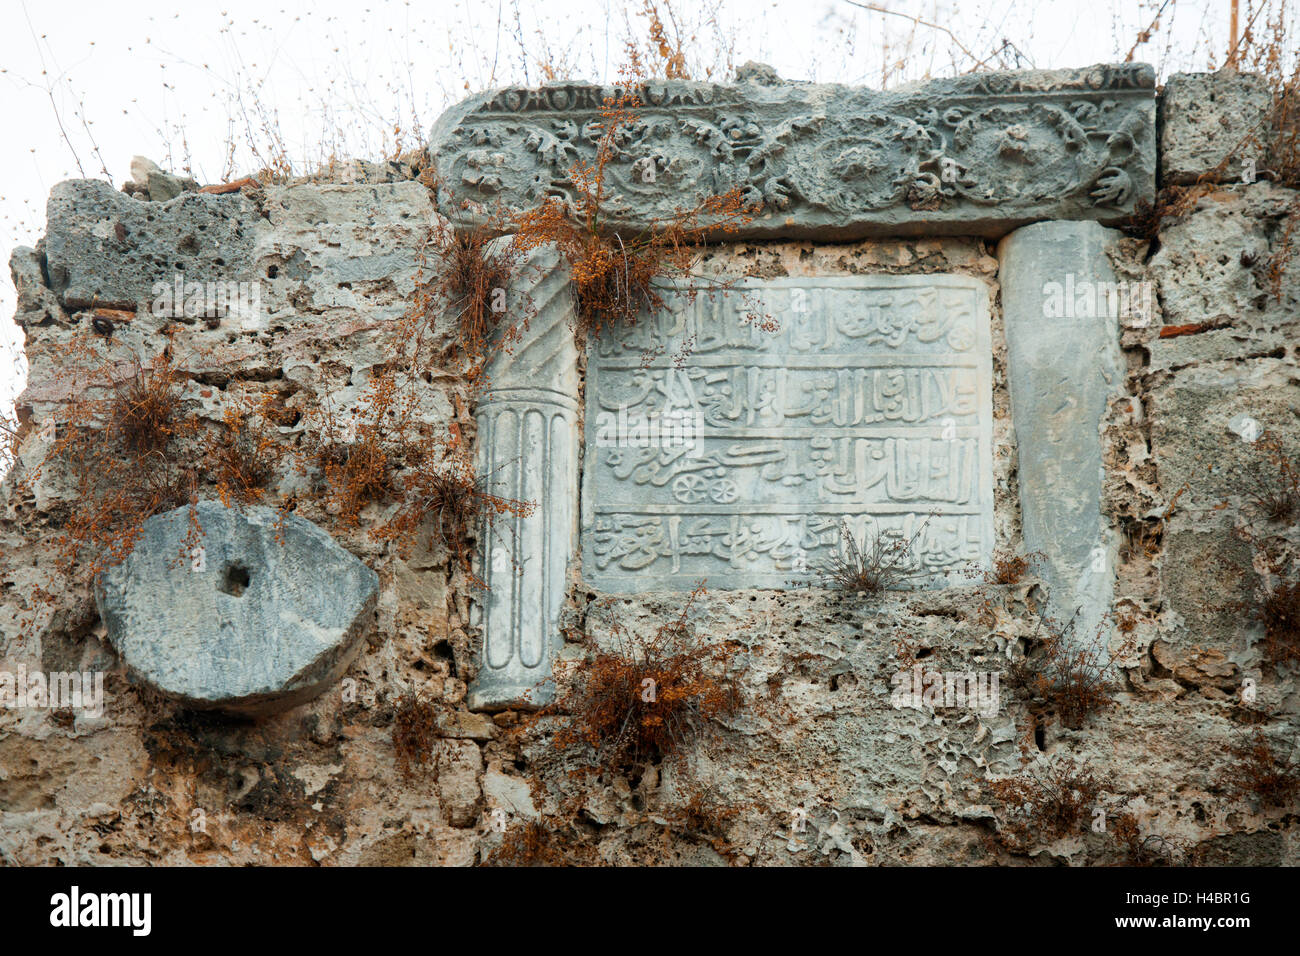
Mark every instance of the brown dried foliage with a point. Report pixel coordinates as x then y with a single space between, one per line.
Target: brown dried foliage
1010 568
1045 803
614 275
705 817
382 455
537 843
123 454
1261 773
356 459
1279 611
1069 676
471 279
644 702
663 55
243 455
441 494
415 728
1139 850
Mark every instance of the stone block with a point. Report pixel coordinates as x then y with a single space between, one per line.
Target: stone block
1209 118
973 155
1061 304
254 617
740 463
104 248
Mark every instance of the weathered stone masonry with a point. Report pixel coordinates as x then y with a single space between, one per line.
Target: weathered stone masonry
908 244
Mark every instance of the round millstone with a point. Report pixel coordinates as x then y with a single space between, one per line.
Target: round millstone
257 614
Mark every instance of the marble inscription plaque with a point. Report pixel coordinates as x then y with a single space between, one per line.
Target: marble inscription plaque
721 450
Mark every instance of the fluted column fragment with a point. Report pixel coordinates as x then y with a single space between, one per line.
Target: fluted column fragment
528 450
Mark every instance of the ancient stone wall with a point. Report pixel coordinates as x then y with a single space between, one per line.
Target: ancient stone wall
973 343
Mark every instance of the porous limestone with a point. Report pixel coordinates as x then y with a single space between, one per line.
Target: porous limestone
1214 127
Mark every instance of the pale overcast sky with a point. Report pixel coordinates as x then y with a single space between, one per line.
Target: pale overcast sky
87 85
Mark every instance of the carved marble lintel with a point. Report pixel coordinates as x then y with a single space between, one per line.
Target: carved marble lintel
972 155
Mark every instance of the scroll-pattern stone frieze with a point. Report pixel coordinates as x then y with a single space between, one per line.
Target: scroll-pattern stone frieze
976 155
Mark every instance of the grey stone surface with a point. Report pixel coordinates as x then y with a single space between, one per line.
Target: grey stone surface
973 155
528 451
36 303
314 255
104 248
718 450
1062 369
249 623
157 184
1206 118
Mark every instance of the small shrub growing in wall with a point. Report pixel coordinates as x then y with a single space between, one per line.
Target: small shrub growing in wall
1010 568
646 701
1274 482
469 292
120 452
243 456
1153 849
614 276
415 729
1259 772
355 459
1070 676
1279 612
1045 803
883 562
381 454
443 496
540 843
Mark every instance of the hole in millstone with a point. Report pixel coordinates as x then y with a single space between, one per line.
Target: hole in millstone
234 580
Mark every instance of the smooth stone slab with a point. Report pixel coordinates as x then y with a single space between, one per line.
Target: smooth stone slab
972 155
1062 370
248 623
718 450
528 451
